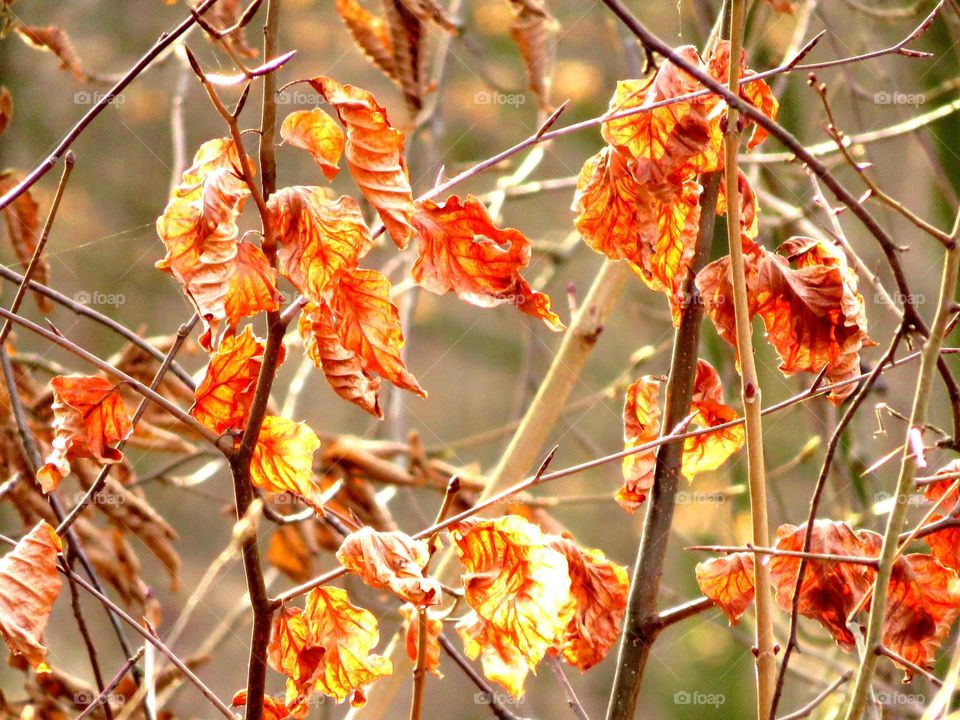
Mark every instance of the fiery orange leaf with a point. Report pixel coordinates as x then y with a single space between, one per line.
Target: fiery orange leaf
641 424
283 459
728 581
708 452
317 133
501 661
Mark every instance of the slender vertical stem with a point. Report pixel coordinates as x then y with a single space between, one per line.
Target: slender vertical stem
750 388
905 481
642 625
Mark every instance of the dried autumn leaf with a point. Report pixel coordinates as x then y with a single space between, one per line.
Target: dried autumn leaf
199 230
408 22
343 368
54 40
813 313
317 133
369 325
599 587
374 153
703 453
283 459
923 601
274 708
371 34
830 590
641 425
499 657
29 585
944 545
462 251
253 287
716 291
667 141
326 647
535 30
607 201
22 218
728 581
390 560
515 582
757 92
88 417
224 395
319 237
411 635
6 108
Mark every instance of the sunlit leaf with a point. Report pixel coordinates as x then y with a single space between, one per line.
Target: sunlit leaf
462 251
703 453
29 585
501 661
317 133
283 459
374 153
390 560
641 425
515 582
728 581
253 287
89 417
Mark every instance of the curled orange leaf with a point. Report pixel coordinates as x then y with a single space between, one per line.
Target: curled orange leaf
462 251
88 417
641 425
369 326
599 587
411 636
728 581
374 152
371 34
812 311
326 647
283 459
343 368
319 237
516 583
317 133
391 560
29 585
253 286
199 230
703 453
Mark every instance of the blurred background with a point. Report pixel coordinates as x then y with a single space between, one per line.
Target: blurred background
481 367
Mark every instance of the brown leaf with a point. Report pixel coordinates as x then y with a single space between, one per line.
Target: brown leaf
343 368
29 585
374 152
371 34
88 418
728 581
535 31
391 560
54 40
830 590
462 251
923 602
641 425
22 218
